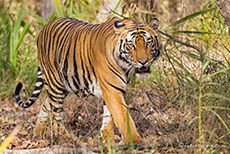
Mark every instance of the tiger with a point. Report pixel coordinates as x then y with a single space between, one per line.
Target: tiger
94 59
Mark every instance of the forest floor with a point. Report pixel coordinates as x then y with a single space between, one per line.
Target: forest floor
163 129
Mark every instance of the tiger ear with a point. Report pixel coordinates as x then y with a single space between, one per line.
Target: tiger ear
154 23
119 27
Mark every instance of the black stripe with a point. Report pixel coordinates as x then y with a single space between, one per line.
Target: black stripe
75 83
56 109
44 108
57 85
112 69
55 99
18 89
117 88
86 82
77 38
39 79
87 51
89 76
35 95
91 65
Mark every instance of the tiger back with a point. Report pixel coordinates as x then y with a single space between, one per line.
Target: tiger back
75 56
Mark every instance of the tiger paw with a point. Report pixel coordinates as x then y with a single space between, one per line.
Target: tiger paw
59 130
40 129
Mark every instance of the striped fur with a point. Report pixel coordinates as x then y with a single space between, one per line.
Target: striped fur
98 60
36 92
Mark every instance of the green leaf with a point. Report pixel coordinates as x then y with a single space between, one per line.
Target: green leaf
70 14
215 73
41 21
25 30
192 55
189 17
215 95
14 36
205 65
226 59
225 125
59 8
154 73
116 8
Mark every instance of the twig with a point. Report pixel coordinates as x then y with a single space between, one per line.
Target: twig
160 98
185 44
112 11
178 77
191 46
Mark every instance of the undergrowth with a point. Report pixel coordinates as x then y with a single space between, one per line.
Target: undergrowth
184 104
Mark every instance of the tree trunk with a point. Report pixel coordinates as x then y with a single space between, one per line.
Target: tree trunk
47 9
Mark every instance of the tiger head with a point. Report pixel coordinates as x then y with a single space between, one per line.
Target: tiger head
138 45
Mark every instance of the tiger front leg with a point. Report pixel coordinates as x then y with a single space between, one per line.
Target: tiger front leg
107 128
123 120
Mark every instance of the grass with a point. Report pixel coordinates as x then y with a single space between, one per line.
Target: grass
183 105
14 50
205 84
16 39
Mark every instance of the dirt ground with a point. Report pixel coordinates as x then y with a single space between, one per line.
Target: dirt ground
162 128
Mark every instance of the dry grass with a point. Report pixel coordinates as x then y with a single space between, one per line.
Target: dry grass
183 107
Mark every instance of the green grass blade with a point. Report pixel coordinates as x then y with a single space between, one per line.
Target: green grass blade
116 8
216 96
192 55
40 20
14 36
217 107
189 17
70 14
227 61
216 73
225 125
25 30
17 23
155 76
205 65
59 8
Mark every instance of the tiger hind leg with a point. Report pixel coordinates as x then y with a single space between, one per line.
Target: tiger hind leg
107 128
42 119
54 113
57 122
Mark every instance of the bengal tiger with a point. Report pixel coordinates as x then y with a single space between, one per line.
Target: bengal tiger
97 59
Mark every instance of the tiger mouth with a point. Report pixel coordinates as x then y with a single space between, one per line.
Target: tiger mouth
143 70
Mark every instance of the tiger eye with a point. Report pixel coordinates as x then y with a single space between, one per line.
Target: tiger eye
148 43
132 46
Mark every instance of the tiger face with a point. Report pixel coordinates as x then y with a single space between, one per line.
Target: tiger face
138 46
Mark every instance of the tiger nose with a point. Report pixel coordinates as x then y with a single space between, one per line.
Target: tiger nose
143 62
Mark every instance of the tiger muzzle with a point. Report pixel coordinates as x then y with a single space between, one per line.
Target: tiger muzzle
143 70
